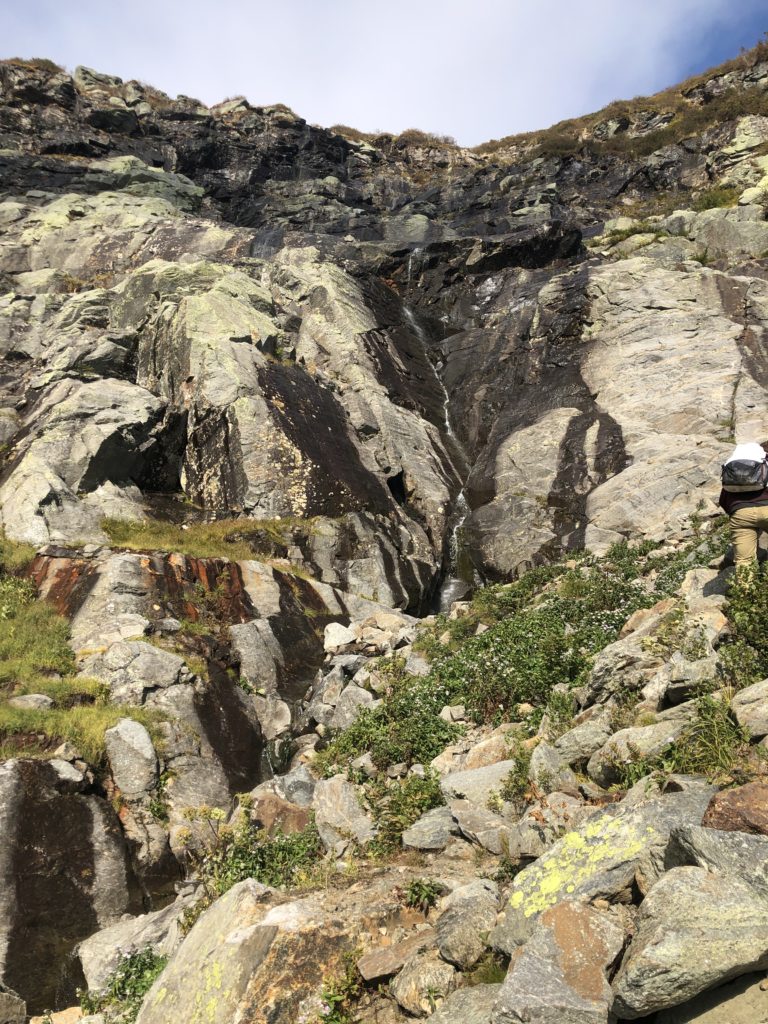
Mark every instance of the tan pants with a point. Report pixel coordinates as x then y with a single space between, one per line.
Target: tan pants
746 524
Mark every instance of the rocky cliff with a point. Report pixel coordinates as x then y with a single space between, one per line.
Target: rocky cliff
269 394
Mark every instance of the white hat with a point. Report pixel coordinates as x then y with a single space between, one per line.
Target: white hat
751 452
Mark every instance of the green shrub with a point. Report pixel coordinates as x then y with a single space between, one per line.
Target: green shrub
745 656
126 988
422 893
716 197
515 786
404 727
246 851
339 994
396 804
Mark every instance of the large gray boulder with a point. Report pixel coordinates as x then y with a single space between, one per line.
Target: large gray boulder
750 706
432 831
63 874
132 669
469 1005
476 784
339 815
468 915
608 854
695 930
422 984
13 1009
627 746
561 974
729 853
101 952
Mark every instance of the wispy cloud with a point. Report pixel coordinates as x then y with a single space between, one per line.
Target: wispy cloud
474 69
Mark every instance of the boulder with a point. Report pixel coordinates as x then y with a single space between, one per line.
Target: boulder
432 831
750 706
561 975
578 744
481 826
337 635
477 784
101 952
728 853
132 758
338 814
32 701
13 1009
275 814
297 785
422 984
630 745
607 855
744 809
468 915
488 751
63 874
132 669
695 930
351 702
550 772
384 961
472 1005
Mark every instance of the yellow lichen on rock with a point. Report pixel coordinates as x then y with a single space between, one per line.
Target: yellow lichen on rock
575 862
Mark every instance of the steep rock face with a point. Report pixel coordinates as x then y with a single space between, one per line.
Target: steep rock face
308 320
64 874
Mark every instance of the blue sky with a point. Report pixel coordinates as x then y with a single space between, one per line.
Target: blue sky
474 69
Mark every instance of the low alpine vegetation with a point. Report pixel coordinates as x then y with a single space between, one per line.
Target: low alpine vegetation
233 853
422 894
712 745
122 998
543 633
35 657
396 804
745 654
235 539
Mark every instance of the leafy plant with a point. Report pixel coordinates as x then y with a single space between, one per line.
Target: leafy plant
745 656
341 993
126 988
422 893
246 851
406 727
516 786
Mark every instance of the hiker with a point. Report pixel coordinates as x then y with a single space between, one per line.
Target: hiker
744 498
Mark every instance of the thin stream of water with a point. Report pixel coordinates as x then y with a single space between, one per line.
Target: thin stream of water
460 569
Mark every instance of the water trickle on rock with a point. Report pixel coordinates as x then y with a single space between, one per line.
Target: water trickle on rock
460 577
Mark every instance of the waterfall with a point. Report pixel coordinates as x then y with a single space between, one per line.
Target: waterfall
460 577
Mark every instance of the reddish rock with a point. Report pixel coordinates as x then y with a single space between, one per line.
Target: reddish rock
275 814
385 961
744 809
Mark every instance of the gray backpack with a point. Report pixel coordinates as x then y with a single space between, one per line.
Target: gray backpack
744 475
